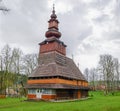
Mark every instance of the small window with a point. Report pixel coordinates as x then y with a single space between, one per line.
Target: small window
48 91
31 91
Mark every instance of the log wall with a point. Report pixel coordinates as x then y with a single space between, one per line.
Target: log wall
59 81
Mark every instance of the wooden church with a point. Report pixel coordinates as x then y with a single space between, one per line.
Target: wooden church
56 76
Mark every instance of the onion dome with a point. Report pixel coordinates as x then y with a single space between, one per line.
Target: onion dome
53 33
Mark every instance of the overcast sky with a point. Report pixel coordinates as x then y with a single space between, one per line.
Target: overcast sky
89 27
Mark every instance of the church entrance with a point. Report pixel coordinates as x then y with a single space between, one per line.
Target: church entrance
39 93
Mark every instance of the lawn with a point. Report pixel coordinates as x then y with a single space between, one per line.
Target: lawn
98 102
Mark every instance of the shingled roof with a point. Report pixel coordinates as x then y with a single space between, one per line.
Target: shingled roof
55 64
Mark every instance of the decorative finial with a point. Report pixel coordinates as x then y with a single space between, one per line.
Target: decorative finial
53 6
53 9
53 15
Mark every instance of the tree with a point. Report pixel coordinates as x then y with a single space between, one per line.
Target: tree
1 63
16 66
116 71
86 74
6 57
106 65
16 60
5 65
13 64
93 77
30 63
2 8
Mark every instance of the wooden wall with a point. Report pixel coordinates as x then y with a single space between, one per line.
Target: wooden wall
53 46
59 81
31 96
48 96
62 94
44 96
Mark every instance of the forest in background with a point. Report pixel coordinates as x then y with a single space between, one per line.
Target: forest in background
106 75
14 69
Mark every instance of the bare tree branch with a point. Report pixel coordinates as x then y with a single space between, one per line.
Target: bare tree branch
4 9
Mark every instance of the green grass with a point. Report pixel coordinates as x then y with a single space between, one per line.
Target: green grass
98 102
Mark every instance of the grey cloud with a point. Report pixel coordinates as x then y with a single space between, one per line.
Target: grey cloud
99 4
116 13
101 19
85 33
89 46
112 35
117 42
117 8
25 24
74 26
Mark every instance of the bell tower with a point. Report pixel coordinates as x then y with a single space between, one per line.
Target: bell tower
52 42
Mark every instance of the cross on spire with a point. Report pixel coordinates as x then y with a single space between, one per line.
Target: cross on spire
53 7
53 12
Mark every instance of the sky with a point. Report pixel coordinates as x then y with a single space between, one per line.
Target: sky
89 28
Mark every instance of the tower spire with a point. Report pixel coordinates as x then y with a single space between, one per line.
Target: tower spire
53 30
52 43
53 15
53 8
